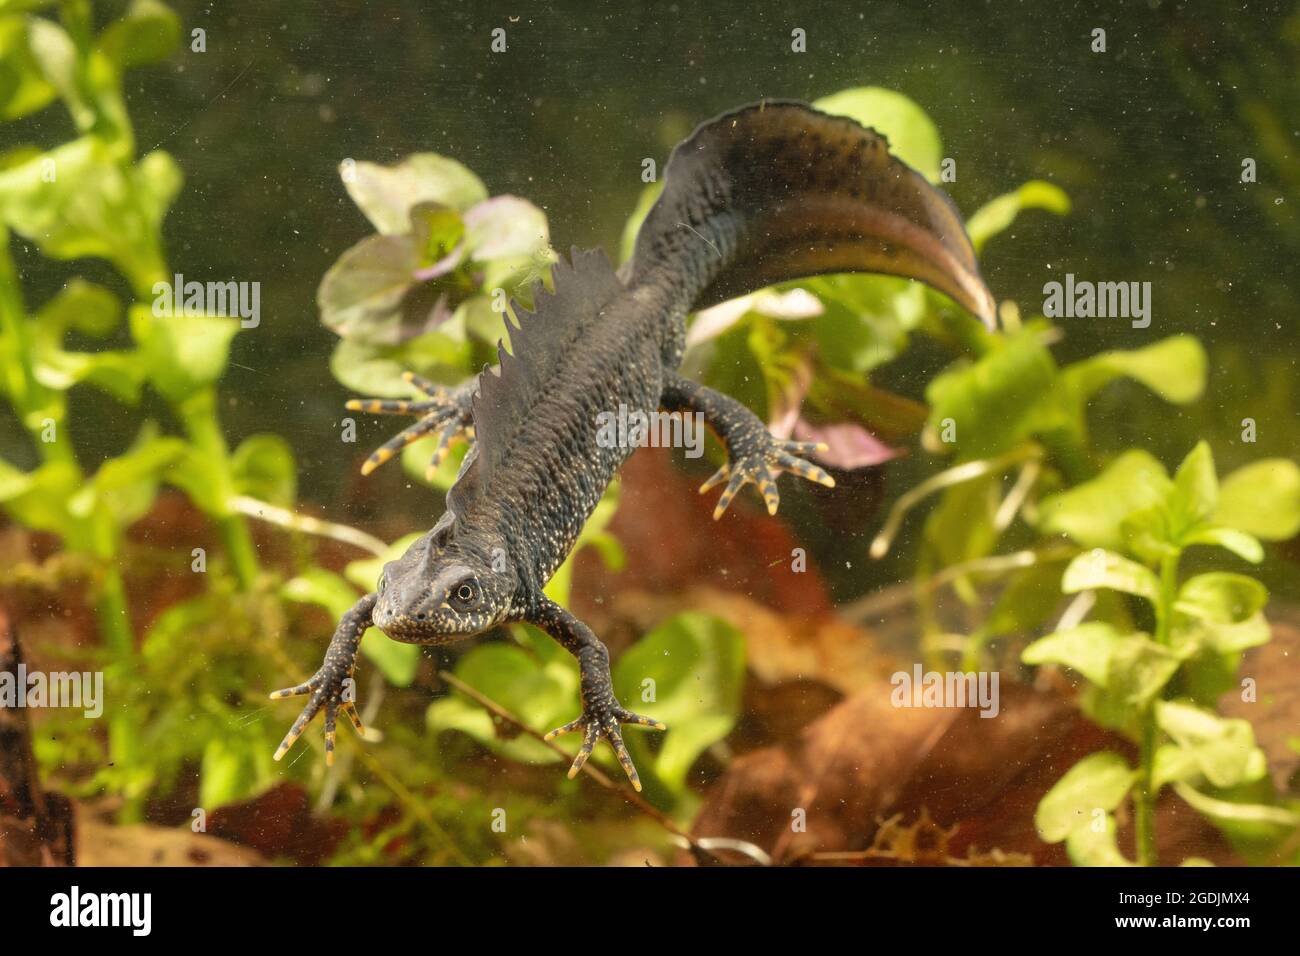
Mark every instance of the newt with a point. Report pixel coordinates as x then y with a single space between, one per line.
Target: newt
766 193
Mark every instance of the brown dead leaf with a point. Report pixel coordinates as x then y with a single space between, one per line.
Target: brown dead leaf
778 647
143 844
279 822
672 542
1275 711
867 761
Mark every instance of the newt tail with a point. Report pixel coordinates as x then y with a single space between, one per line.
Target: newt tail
766 193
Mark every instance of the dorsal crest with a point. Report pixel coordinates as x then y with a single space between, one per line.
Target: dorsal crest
584 286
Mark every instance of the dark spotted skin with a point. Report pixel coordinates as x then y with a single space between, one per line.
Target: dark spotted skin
489 565
745 194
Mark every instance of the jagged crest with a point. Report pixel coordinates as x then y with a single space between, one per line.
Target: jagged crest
583 287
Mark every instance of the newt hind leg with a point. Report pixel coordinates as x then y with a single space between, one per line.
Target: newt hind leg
754 455
443 410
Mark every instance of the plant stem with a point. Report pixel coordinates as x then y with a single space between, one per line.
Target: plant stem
198 412
115 626
114 620
308 525
1145 798
240 549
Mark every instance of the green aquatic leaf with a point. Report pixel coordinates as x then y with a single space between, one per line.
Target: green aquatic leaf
1098 782
649 195
1226 639
92 310
155 181
263 467
23 86
1243 545
126 485
38 499
1262 499
1099 568
997 215
225 773
1196 489
865 319
1221 597
376 370
1255 829
398 662
541 694
386 194
119 373
361 295
1173 368
1096 846
1139 670
1093 513
438 232
148 32
93 206
480 320
1222 749
83 306
996 401
507 227
60 65
183 353
1087 649
322 588
689 673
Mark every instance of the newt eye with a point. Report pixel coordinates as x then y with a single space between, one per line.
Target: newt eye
383 583
465 596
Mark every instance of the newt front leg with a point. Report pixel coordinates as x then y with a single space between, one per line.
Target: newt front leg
331 687
753 453
602 714
442 410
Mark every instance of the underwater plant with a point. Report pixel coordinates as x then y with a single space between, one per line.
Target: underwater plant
1161 688
92 197
1037 530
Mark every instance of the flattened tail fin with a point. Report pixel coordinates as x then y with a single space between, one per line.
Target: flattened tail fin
778 190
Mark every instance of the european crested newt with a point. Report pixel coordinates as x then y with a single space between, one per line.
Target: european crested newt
765 193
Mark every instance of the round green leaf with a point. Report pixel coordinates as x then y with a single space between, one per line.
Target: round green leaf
1097 782
1262 499
693 667
386 193
263 468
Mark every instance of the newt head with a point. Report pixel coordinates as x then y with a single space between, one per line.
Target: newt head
444 588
